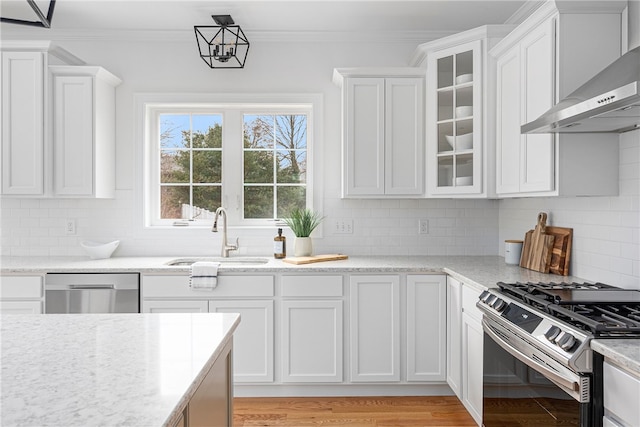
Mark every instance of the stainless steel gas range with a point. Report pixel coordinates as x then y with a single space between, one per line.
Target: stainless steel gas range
539 369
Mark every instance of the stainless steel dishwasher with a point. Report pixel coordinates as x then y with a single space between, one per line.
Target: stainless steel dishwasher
92 293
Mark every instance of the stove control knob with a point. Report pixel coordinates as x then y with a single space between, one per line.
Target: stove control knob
499 304
552 333
485 298
567 341
483 295
491 300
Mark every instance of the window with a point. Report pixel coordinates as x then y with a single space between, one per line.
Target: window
275 164
252 158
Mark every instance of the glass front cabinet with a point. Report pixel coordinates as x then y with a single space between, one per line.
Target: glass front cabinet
454 123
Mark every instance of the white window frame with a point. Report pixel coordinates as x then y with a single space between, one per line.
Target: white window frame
232 108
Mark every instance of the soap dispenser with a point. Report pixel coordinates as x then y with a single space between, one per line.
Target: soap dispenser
279 245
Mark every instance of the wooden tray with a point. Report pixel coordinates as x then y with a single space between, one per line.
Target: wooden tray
314 258
537 247
561 252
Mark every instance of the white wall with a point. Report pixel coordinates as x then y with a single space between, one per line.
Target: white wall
36 227
606 239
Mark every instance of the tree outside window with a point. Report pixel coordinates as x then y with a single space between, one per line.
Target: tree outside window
275 164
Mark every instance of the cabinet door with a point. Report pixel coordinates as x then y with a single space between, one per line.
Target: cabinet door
73 135
454 118
472 366
312 341
363 150
175 306
20 307
538 70
404 138
253 339
454 336
426 341
374 328
508 122
23 102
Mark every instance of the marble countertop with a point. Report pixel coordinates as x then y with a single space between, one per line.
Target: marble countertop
106 369
478 271
625 353
481 271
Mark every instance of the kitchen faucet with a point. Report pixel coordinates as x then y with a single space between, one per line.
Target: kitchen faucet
226 247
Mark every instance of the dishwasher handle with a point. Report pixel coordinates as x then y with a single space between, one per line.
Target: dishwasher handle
92 287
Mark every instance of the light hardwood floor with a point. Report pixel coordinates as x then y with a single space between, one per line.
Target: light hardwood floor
351 411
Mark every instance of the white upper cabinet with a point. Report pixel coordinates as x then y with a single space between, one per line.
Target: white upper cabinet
84 131
555 50
23 98
383 132
458 130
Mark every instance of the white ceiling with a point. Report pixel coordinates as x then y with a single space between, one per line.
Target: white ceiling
269 16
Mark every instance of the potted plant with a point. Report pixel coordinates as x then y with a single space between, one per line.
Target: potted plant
302 222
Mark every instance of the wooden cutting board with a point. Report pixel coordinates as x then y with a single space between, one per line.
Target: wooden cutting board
561 251
538 247
315 258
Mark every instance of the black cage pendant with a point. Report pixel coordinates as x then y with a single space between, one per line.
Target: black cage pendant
223 45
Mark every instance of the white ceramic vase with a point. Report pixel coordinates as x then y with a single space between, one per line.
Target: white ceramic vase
303 246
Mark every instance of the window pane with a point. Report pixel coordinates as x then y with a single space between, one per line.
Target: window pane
291 131
174 166
258 202
292 166
258 167
207 167
290 198
206 199
174 130
258 131
172 200
207 131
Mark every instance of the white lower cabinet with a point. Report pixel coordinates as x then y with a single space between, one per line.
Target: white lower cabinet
253 339
472 361
454 336
21 295
312 329
251 296
464 346
374 303
426 338
621 397
312 341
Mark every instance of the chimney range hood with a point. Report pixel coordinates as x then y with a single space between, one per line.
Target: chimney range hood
608 102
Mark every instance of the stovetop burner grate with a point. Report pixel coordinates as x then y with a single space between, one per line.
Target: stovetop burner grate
602 319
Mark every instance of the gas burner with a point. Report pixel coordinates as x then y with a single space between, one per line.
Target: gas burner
599 309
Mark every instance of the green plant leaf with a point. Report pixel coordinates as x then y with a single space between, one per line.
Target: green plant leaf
303 221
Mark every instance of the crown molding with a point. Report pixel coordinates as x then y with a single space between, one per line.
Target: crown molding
184 36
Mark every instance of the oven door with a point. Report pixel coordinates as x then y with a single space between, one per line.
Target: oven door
519 390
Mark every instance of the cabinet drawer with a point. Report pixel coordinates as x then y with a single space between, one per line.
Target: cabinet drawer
311 286
21 287
228 286
621 395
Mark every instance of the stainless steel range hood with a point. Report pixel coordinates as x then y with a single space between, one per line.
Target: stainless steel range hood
609 102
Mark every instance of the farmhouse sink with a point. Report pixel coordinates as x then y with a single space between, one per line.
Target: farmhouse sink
239 260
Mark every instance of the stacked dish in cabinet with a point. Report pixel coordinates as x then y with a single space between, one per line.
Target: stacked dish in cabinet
455 119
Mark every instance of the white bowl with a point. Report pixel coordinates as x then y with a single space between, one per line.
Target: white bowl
464 78
464 180
462 142
97 250
464 111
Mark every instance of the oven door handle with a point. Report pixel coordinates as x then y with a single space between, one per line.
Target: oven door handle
572 387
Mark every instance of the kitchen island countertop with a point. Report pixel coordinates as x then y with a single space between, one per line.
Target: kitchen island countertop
112 369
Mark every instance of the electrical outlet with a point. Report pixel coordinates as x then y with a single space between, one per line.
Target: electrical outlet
70 226
343 226
423 226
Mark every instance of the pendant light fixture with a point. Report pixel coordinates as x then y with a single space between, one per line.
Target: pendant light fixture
223 45
43 20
